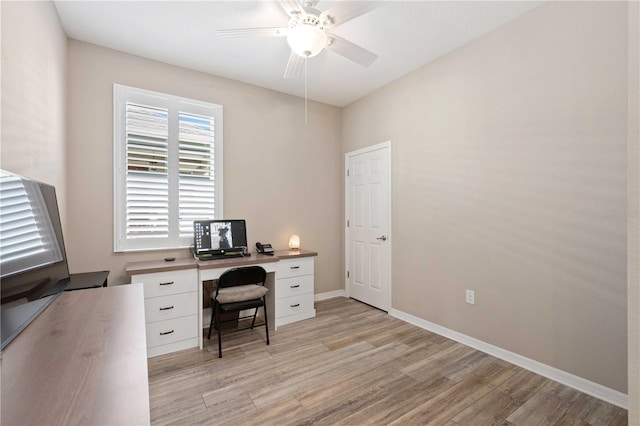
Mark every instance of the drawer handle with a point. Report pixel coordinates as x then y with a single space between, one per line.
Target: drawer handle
294 306
294 267
168 283
166 308
294 286
164 333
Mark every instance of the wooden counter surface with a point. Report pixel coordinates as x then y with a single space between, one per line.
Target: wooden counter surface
290 254
151 266
82 361
233 262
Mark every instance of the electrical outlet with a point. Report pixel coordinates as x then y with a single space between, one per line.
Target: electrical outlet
471 297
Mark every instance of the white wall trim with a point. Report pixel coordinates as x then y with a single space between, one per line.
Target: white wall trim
329 295
590 388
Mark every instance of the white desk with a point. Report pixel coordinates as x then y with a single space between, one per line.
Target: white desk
174 294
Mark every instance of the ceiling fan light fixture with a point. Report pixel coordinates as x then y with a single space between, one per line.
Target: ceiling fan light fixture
306 40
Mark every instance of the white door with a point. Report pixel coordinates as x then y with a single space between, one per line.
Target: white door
368 213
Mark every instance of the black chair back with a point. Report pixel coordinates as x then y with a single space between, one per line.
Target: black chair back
242 276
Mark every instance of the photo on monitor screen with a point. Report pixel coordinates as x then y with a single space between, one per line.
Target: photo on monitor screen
221 235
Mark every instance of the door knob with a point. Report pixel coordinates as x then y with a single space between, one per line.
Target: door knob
383 238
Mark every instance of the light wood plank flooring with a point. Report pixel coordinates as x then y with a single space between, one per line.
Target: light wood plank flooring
356 365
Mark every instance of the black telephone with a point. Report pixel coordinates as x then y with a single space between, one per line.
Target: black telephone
264 248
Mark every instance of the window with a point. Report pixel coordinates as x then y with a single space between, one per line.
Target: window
168 168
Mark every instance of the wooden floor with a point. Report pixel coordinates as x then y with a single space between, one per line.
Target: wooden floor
356 365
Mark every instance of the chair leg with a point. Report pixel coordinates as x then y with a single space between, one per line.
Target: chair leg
213 308
218 327
255 314
266 321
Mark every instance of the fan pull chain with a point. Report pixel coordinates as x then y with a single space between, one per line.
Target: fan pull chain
306 59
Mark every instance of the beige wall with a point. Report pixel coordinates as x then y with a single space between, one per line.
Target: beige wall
34 56
506 153
281 176
633 202
509 178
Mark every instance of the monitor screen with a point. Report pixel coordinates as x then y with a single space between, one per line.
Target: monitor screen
219 236
33 262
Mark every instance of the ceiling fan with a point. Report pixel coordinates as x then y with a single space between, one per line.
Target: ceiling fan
309 32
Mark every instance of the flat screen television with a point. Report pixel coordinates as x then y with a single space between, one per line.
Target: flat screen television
215 239
33 260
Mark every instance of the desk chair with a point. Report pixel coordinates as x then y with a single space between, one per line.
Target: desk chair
239 289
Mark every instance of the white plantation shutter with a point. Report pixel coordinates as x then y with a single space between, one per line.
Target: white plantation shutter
25 228
147 171
197 170
168 168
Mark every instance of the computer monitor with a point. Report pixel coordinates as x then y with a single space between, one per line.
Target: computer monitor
33 260
214 239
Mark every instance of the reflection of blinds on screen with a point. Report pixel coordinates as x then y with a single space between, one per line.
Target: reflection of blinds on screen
27 238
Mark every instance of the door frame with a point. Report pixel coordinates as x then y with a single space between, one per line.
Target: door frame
347 157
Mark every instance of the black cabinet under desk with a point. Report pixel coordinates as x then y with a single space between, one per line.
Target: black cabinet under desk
87 280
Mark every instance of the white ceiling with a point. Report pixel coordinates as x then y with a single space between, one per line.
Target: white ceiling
404 34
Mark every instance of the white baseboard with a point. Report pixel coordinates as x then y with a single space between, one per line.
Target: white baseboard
590 388
329 295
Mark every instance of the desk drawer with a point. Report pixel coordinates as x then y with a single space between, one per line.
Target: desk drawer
295 267
165 283
294 305
293 286
172 306
172 330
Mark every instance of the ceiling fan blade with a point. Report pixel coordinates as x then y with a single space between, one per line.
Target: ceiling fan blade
252 32
292 7
346 11
351 51
295 66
